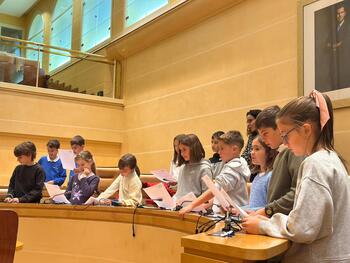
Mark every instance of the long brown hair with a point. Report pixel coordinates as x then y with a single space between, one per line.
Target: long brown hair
176 155
197 152
304 109
87 156
270 156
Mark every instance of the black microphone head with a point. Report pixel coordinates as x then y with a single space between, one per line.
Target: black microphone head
178 207
209 212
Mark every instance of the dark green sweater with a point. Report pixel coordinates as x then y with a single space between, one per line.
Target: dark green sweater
280 194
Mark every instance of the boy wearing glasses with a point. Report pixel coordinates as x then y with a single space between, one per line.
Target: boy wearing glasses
280 194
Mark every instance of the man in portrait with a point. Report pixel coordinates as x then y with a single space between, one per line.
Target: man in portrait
341 46
332 47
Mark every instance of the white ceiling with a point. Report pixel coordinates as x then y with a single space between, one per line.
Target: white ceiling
15 7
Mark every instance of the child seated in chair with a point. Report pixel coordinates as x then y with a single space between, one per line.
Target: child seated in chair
128 184
85 183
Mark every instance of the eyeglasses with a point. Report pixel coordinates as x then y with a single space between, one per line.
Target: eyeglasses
285 136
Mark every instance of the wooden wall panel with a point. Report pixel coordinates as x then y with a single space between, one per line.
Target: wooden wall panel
207 77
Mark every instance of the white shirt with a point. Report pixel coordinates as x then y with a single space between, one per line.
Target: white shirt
129 188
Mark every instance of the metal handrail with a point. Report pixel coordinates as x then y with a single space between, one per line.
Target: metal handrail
57 53
51 47
44 48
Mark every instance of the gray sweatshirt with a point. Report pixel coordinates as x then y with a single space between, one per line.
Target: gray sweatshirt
190 178
318 225
233 178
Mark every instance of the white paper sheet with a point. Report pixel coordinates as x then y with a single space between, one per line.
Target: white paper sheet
219 196
56 193
159 191
67 159
163 175
187 200
232 203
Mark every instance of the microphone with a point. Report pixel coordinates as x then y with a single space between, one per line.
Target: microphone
227 221
228 230
150 200
180 206
116 202
156 199
153 199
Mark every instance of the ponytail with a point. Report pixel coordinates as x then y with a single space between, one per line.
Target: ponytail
317 109
137 171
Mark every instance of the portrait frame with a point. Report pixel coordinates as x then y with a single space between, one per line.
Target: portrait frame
309 13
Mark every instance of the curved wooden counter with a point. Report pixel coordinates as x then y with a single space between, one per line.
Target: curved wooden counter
65 233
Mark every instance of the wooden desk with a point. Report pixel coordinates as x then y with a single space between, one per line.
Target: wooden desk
239 248
65 233
19 245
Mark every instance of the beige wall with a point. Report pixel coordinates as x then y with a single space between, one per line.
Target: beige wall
206 78
105 154
29 114
11 21
201 80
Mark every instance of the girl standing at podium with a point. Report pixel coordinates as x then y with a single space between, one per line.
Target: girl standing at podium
174 165
318 223
262 157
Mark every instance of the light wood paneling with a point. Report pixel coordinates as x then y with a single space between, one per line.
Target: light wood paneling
240 247
105 154
104 234
99 234
40 116
220 96
46 115
207 77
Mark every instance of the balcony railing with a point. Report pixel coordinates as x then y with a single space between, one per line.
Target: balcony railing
83 72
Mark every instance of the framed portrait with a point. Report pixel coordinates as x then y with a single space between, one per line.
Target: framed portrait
324 49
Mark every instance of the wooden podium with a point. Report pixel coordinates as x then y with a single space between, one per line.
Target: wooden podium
89 234
239 248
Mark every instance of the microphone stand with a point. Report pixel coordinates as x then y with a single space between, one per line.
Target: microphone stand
228 222
228 230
